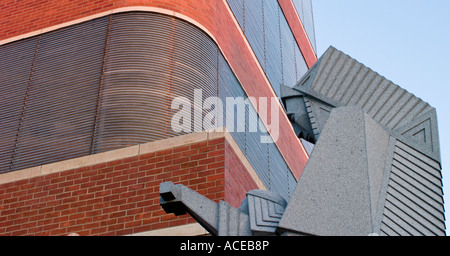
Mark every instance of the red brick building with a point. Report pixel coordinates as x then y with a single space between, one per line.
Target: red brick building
86 89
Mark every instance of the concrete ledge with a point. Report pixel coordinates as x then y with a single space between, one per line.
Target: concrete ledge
136 150
90 160
194 229
28 173
172 142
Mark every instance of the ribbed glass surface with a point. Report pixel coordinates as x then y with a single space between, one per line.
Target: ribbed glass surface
271 39
265 159
160 58
305 12
15 67
60 100
109 83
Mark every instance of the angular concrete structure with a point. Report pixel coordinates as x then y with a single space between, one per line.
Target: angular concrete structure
338 80
375 168
339 190
399 142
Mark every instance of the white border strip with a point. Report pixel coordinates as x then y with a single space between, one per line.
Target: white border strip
137 150
194 229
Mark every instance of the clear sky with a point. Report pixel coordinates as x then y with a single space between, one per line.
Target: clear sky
406 41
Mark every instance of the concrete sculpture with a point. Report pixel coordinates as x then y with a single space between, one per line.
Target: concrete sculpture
375 167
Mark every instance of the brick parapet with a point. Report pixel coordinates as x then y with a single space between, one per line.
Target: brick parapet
121 196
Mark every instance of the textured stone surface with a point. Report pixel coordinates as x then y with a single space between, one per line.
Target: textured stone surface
332 196
399 145
265 211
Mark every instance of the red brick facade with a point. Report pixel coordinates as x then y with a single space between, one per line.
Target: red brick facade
237 180
121 197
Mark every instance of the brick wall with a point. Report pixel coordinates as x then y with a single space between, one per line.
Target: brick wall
237 180
122 196
20 17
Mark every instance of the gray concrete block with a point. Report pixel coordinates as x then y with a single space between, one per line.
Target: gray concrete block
332 196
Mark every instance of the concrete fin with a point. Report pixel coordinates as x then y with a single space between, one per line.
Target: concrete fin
377 143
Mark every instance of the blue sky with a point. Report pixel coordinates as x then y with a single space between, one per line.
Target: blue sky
406 41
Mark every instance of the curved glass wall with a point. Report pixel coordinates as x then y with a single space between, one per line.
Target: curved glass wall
109 83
